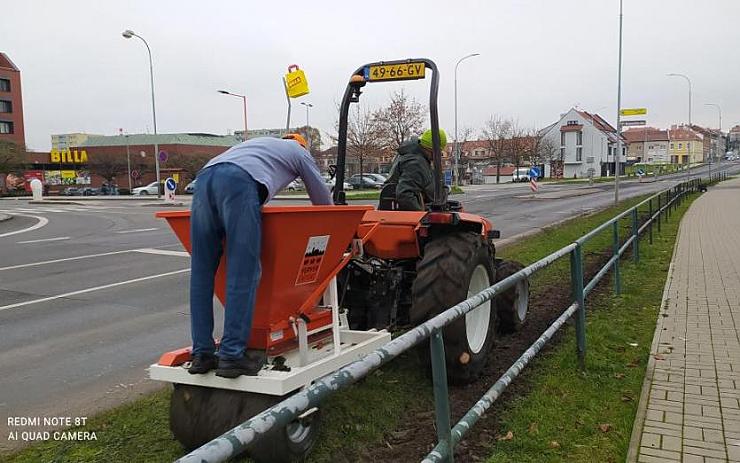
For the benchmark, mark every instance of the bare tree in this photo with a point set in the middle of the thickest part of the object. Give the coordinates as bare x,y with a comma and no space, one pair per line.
11,155
402,118
495,132
465,134
363,136
517,145
549,152
108,165
190,164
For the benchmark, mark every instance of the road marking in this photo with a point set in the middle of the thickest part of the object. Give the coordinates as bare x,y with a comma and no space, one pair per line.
137,230
89,256
42,221
45,239
163,252
89,290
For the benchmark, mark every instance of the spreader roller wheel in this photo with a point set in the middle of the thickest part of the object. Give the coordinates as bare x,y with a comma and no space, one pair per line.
200,414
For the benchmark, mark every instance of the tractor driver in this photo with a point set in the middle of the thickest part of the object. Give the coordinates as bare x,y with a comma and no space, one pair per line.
231,189
412,171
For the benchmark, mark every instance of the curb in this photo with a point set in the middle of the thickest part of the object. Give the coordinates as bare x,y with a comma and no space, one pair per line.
65,201
634,445
5,217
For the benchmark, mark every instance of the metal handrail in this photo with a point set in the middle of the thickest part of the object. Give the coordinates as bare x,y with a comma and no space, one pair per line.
240,438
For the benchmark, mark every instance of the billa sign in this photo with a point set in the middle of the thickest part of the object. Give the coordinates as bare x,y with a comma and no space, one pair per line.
633,112
67,156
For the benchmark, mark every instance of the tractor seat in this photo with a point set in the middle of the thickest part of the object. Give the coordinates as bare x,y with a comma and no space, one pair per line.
387,201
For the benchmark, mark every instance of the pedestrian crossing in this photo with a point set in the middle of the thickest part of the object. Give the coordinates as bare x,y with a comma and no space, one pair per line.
57,209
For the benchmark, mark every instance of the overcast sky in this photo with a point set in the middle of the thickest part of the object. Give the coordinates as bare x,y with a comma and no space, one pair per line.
538,58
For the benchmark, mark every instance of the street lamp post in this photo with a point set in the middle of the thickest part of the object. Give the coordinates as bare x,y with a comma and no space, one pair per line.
688,150
457,146
244,101
618,154
719,137
308,126
128,33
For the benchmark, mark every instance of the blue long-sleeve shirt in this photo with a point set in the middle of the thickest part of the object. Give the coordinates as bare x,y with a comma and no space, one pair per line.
275,163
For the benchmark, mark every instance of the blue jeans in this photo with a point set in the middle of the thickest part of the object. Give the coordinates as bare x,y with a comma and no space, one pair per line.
226,206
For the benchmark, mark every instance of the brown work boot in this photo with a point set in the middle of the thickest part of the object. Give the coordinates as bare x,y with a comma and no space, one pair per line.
203,363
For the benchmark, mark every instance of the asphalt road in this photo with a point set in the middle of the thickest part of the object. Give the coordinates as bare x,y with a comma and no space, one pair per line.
90,295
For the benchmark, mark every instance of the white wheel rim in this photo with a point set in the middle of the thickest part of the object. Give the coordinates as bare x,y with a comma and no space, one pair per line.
478,319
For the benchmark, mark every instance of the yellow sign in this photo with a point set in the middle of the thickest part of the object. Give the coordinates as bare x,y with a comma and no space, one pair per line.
633,112
295,82
68,174
401,71
70,157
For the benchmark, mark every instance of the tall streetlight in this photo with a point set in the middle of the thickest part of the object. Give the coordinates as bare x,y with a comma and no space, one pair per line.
618,154
244,100
688,150
128,33
457,146
308,126
719,110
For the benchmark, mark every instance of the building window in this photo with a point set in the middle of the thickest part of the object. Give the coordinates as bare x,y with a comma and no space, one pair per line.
6,127
6,106
579,154
579,138
562,138
572,123
680,146
4,85
688,145
671,145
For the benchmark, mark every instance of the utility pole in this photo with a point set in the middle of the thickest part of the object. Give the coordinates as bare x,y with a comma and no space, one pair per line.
457,145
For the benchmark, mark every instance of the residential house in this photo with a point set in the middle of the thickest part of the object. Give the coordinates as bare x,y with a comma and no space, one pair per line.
587,146
685,145
734,139
647,145
714,142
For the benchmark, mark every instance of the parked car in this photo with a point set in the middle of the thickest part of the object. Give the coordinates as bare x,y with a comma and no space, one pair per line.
190,188
364,181
379,177
87,191
71,191
330,182
150,189
295,185
520,175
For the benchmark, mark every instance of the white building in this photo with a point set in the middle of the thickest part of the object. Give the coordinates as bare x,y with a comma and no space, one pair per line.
587,144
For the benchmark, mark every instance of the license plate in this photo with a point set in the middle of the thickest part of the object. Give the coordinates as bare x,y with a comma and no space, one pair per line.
404,71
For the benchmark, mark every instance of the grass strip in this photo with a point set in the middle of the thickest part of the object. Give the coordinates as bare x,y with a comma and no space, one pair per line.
359,417
586,417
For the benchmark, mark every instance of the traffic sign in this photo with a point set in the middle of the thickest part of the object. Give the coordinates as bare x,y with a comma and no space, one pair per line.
633,111
534,172
170,185
631,123
135,174
163,156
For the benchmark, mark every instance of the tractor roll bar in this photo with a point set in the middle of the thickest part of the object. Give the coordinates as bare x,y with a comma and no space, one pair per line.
352,95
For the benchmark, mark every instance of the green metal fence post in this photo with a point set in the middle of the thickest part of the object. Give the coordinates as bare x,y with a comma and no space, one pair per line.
660,213
576,284
441,396
635,237
615,247
650,218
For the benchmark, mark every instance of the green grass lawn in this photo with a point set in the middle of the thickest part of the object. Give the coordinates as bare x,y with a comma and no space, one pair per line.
565,406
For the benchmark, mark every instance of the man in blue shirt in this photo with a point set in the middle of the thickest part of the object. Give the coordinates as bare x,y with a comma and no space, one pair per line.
227,204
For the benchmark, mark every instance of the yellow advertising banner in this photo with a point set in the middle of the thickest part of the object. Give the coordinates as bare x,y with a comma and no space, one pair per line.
295,82
69,174
633,111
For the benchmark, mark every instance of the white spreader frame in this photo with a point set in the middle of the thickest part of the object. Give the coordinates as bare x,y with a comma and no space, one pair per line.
307,364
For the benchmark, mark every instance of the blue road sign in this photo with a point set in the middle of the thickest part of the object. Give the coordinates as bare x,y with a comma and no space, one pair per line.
170,184
534,172
163,156
448,177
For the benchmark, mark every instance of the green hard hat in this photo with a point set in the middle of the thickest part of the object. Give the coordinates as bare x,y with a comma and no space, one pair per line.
426,139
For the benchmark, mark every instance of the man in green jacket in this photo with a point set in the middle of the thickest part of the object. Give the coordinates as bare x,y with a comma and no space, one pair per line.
412,171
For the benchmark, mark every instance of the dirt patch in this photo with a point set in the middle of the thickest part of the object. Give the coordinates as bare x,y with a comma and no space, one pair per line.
417,436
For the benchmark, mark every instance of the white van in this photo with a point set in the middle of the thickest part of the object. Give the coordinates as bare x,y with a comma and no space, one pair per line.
520,175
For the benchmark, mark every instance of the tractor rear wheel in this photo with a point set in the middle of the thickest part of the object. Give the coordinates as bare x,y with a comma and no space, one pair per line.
200,414
455,267
512,304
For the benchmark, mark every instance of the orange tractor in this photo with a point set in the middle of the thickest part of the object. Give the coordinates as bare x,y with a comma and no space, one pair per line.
335,281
